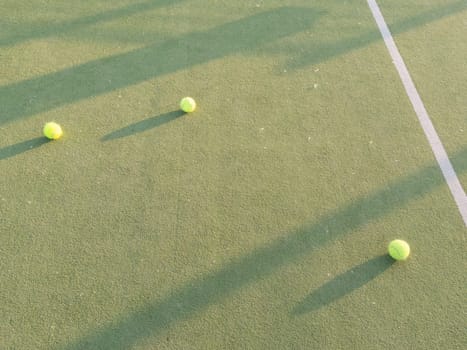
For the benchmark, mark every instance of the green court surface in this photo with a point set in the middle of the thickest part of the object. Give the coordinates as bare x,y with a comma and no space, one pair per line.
261,220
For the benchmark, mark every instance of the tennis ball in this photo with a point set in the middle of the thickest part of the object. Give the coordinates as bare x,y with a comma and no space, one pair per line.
399,249
187,104
52,131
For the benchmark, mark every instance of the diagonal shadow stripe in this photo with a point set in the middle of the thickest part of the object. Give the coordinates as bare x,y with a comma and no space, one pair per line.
44,30
143,125
343,284
312,53
97,77
196,295
18,148
105,75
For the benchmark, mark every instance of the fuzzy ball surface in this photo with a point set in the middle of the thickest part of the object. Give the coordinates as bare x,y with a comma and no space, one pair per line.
52,131
399,249
187,104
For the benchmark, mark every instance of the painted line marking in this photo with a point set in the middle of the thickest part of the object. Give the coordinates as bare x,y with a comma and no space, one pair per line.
437,147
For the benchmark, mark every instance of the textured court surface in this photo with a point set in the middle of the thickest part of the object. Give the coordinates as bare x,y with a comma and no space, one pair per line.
258,222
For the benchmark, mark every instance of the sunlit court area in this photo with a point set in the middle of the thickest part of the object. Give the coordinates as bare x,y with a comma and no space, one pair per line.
249,174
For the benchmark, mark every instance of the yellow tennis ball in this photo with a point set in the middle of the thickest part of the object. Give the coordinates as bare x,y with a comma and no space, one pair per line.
187,104
399,249
52,131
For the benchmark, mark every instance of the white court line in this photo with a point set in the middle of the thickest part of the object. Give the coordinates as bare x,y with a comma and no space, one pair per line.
438,149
